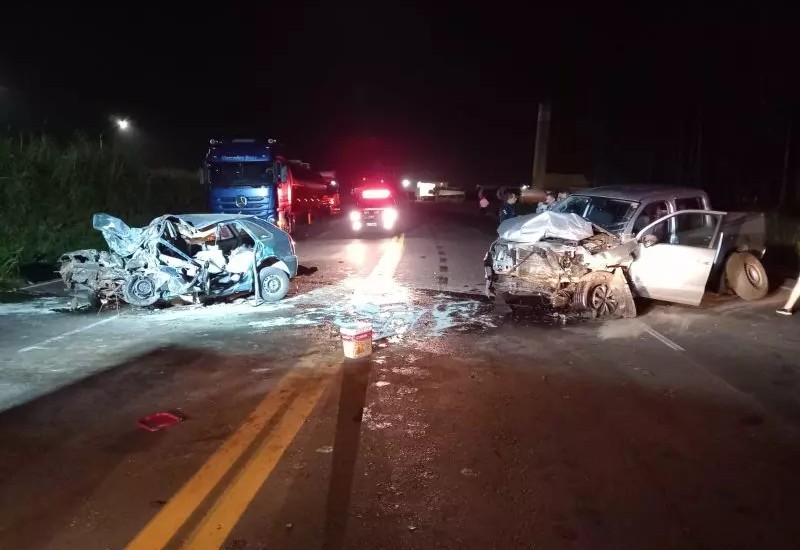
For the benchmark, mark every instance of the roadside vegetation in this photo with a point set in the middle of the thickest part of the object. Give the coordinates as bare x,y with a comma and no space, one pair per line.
49,190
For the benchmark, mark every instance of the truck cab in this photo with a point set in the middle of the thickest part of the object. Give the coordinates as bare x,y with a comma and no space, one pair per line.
243,177
375,209
247,176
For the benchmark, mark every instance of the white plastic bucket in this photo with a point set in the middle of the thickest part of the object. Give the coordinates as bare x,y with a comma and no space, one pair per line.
357,340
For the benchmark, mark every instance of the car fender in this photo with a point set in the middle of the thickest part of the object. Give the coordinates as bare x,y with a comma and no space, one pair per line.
280,264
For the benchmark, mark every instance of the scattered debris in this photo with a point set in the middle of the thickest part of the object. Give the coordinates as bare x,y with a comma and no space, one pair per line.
382,383
160,420
260,370
325,449
468,472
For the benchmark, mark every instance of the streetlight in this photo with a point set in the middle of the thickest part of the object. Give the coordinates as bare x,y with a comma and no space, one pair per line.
406,182
123,124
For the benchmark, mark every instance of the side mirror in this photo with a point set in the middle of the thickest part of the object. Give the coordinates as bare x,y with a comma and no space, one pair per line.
649,240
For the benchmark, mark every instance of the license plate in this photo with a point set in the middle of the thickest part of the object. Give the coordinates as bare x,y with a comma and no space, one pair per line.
372,224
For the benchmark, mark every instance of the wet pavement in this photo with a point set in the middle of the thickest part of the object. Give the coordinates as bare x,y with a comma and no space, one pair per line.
469,426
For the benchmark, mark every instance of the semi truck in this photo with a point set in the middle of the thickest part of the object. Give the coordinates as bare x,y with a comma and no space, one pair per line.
248,176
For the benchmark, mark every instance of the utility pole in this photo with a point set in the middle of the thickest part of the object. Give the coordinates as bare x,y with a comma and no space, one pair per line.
540,148
787,153
698,161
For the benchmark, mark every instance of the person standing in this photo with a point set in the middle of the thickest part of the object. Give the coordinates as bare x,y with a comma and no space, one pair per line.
484,205
549,199
794,295
483,202
508,210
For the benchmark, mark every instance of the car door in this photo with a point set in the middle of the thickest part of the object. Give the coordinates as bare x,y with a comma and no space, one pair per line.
675,268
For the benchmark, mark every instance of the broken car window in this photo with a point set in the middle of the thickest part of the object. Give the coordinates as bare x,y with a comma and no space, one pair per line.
650,213
225,232
690,230
694,229
257,230
611,214
691,203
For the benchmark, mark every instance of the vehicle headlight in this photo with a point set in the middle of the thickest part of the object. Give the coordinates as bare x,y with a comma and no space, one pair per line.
389,215
355,216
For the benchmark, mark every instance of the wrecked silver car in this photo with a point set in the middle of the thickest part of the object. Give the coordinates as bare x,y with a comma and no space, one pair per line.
598,250
189,257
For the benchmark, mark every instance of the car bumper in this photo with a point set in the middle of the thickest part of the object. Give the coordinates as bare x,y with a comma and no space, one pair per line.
292,264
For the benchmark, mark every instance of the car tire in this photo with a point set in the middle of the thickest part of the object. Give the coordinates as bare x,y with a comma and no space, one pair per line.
274,284
595,294
746,276
140,291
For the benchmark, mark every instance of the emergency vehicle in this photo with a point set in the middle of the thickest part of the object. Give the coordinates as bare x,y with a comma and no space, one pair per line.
375,209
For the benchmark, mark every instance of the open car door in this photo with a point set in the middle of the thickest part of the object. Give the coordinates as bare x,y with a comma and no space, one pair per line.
675,256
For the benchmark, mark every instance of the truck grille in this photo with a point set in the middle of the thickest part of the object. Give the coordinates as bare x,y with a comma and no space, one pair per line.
255,205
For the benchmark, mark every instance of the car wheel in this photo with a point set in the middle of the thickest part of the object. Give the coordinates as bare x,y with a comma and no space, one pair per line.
274,284
746,276
596,295
140,291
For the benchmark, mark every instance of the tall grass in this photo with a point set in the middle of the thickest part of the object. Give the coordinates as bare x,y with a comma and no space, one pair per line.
49,191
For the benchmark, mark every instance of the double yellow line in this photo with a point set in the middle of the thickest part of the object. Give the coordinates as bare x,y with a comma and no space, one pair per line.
297,393
387,265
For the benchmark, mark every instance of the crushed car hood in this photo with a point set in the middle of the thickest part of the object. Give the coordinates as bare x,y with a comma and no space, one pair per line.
536,227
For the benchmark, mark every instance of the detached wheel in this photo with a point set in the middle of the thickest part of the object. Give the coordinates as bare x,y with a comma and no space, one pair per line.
140,291
746,276
596,295
274,284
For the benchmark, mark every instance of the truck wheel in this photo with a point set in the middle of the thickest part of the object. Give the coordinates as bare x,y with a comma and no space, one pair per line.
746,276
140,291
595,293
274,284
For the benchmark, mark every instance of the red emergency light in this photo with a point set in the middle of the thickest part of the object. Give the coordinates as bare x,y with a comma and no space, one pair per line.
376,194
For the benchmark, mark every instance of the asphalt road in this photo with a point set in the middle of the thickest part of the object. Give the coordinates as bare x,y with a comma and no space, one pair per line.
466,428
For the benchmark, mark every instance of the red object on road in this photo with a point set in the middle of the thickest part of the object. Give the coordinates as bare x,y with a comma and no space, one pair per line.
159,421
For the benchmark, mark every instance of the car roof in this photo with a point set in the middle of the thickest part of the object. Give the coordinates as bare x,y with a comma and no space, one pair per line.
642,192
201,221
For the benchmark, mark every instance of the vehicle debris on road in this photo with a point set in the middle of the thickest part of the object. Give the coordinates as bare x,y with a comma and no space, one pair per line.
188,257
160,420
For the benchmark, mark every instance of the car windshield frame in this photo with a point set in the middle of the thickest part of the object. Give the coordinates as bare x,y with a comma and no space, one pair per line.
596,210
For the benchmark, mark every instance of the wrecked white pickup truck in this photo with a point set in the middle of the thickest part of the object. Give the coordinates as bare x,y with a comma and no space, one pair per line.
597,250
189,257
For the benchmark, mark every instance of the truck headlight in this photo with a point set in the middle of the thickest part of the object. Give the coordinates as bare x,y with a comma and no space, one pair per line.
389,217
355,216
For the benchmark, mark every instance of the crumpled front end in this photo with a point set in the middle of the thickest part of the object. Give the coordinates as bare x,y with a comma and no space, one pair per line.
541,269
553,268
98,274
170,258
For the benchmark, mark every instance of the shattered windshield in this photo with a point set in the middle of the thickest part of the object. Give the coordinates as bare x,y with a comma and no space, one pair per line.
611,214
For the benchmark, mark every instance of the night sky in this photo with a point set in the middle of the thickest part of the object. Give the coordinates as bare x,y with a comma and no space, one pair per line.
452,93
